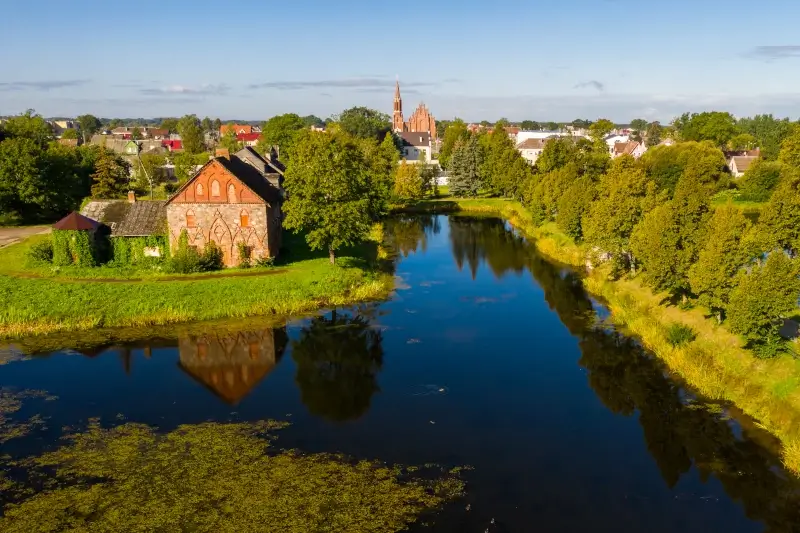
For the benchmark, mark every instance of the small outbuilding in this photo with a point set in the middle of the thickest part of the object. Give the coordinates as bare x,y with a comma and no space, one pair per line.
76,222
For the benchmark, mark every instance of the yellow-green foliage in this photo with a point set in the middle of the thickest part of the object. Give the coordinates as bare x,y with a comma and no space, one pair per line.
407,181
217,478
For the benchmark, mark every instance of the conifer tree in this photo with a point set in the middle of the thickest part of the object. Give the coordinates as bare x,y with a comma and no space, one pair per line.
713,276
465,168
110,176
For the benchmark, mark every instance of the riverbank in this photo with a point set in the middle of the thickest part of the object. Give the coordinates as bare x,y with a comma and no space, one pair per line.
50,301
715,363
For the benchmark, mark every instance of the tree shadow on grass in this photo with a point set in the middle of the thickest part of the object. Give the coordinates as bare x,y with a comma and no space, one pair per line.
363,255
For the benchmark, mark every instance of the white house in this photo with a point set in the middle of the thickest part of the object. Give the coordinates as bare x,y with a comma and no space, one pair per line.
531,149
415,144
740,163
632,148
523,136
612,140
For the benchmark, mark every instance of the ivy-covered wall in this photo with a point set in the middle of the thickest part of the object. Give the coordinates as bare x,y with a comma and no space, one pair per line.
131,250
74,247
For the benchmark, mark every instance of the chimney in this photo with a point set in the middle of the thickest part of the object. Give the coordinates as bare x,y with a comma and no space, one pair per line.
131,197
223,152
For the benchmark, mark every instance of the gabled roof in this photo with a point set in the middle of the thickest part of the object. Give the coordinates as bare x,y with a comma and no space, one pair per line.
126,219
249,155
743,162
76,222
415,138
531,144
250,176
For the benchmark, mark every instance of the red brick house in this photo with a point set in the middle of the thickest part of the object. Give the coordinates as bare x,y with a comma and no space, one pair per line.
232,199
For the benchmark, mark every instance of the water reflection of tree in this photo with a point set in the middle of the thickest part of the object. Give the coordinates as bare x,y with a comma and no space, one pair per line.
474,240
678,434
338,359
407,234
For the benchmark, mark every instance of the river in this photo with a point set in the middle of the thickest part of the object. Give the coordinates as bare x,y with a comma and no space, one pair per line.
486,355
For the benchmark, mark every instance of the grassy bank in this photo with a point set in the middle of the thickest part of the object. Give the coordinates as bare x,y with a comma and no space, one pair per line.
46,300
715,363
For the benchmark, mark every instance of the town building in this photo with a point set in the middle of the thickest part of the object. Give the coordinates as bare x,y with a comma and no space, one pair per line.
632,148
238,129
126,132
230,202
739,164
248,139
60,126
531,149
417,146
420,121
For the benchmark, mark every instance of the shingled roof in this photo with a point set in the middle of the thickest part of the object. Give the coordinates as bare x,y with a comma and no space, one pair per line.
126,219
76,222
251,177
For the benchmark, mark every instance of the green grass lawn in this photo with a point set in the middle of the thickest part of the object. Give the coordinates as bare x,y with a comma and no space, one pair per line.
43,299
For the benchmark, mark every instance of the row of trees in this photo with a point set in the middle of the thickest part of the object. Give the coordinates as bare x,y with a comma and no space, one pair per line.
655,216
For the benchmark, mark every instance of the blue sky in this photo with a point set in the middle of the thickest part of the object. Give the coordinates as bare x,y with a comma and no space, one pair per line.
534,59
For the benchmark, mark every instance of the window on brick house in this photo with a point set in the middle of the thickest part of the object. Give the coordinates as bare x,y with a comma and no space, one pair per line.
244,219
231,193
215,188
199,189
190,220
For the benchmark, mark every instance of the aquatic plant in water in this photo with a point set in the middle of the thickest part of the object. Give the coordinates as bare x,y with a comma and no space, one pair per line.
217,478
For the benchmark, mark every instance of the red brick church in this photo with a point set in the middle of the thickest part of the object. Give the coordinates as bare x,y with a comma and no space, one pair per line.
420,121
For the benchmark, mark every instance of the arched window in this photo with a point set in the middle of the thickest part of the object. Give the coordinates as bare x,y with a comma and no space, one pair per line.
190,221
231,193
244,219
215,188
199,189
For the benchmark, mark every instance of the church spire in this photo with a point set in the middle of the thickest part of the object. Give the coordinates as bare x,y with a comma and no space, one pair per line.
397,114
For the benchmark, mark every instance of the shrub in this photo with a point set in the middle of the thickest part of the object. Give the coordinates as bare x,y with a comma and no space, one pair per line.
82,249
245,254
760,180
61,253
679,334
41,252
211,258
265,262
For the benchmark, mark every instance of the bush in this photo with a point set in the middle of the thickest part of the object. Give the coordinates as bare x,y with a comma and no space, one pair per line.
265,262
760,180
244,254
41,252
679,334
211,258
184,262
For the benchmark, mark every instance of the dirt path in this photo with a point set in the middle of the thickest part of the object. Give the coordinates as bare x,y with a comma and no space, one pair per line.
10,235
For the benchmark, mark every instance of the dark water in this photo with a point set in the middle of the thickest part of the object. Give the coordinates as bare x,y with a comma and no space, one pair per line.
488,356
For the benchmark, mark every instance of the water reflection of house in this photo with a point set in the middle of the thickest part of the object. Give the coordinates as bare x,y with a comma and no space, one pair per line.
232,365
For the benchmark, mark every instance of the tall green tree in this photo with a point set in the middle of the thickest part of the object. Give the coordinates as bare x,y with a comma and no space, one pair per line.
769,133
230,142
111,175
790,149
652,136
365,123
666,164
465,167
207,125
599,129
715,126
504,169
407,181
668,239
530,125
456,131
29,125
742,141
191,133
217,124
760,180
573,206
624,196
328,185
136,134
713,276
762,298
170,124
557,153
148,172
280,131
88,126
382,160
779,221
70,134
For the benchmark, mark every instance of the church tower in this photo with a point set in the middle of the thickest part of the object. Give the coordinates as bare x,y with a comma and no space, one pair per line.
397,115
